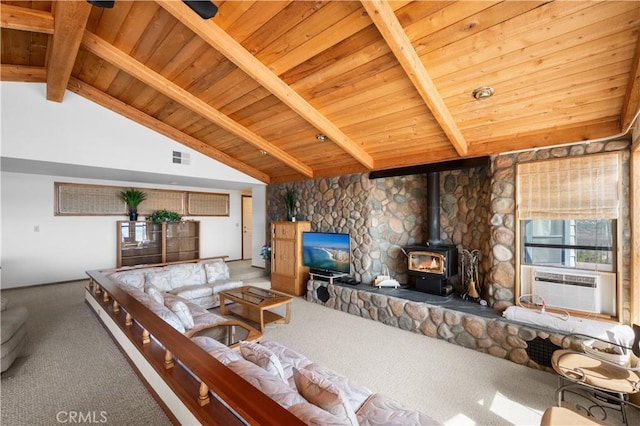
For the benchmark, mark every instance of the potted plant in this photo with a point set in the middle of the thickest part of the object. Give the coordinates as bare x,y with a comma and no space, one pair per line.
290,199
165,216
133,197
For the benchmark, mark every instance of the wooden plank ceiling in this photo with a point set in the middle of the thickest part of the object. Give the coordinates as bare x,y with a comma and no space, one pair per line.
389,83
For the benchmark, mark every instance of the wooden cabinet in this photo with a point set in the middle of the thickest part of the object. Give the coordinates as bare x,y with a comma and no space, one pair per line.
144,242
287,273
182,241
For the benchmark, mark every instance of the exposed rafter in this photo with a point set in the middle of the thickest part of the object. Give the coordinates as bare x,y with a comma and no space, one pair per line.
21,18
632,98
106,51
387,23
70,19
225,44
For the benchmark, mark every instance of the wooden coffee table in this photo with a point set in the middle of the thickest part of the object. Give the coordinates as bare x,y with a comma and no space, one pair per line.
256,304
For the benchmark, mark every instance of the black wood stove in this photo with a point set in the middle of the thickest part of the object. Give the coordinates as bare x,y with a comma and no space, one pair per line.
431,265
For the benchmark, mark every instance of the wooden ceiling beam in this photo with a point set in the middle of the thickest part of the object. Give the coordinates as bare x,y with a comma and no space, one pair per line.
236,53
25,19
119,107
387,23
118,58
631,103
23,73
69,21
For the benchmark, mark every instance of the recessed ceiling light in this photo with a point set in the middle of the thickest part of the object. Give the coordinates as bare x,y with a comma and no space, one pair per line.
263,152
483,92
321,137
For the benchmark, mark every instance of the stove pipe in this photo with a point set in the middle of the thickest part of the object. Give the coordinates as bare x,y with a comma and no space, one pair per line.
433,207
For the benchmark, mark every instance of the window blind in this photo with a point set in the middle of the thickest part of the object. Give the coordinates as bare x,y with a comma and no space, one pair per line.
584,187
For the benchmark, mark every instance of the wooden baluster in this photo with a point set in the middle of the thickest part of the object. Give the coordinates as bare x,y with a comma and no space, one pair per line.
98,289
116,306
105,297
145,337
203,398
168,359
128,320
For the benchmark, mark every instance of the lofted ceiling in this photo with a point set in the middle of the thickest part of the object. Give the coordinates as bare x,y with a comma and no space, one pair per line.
388,83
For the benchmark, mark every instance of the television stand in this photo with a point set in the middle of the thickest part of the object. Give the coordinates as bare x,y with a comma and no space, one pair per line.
326,276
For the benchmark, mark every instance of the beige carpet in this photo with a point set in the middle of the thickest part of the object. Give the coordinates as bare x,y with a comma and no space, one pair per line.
74,368
452,384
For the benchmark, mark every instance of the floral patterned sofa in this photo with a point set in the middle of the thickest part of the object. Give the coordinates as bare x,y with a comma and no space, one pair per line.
314,394
198,282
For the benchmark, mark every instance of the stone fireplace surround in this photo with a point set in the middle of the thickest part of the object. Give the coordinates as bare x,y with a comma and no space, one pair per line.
477,211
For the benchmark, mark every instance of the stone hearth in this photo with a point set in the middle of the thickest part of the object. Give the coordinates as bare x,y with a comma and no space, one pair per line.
448,318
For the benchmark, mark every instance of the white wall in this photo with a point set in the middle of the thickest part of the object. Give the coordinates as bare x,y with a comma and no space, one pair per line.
80,132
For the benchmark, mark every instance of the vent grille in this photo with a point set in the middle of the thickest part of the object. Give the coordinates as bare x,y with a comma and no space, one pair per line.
181,157
568,291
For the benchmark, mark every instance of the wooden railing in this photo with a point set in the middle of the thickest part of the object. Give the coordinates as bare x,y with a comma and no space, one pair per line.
199,380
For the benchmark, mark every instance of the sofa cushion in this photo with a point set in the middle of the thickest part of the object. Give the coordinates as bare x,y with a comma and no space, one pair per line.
216,270
181,309
192,291
161,310
186,274
153,291
382,410
12,320
288,358
129,278
262,357
321,392
315,416
354,393
218,286
217,349
269,384
160,279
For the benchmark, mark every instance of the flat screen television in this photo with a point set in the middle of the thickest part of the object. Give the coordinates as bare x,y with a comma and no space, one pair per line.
326,253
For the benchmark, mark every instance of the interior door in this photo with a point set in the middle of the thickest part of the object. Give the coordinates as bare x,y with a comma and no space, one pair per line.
247,215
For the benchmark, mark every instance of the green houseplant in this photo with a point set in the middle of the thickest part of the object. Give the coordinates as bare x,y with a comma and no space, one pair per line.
290,199
133,197
165,216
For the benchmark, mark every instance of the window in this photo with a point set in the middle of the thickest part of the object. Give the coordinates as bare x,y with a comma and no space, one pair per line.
582,244
568,210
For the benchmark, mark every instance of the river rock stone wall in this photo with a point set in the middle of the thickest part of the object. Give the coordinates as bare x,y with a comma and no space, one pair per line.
477,212
383,215
493,336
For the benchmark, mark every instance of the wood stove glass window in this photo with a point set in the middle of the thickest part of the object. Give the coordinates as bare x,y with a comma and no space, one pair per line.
423,261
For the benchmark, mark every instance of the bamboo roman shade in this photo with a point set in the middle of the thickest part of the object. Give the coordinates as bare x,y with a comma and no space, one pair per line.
583,187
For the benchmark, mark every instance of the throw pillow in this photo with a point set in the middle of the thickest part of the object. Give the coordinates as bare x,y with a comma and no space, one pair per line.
181,309
324,394
216,270
262,357
153,291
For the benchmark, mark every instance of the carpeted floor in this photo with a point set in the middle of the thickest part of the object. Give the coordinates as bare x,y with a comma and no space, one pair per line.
75,369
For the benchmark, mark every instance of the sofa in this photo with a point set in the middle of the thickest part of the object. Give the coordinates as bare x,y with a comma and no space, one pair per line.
13,324
198,282
313,393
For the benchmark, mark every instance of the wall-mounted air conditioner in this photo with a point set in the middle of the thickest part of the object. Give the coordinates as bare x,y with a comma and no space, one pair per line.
568,290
